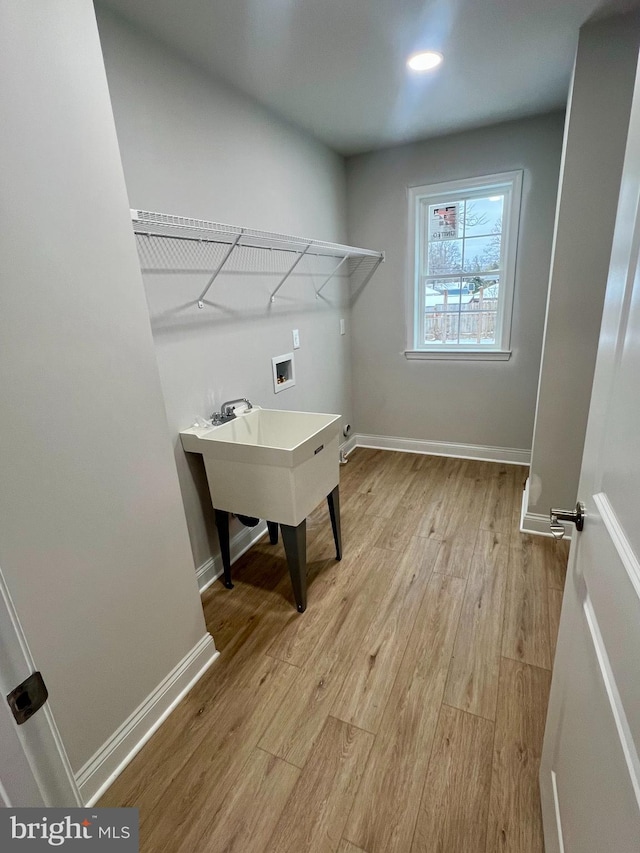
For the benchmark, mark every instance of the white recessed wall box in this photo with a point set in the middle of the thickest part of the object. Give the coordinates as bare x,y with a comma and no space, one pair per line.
284,375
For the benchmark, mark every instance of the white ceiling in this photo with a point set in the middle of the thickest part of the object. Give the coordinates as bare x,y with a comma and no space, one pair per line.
337,67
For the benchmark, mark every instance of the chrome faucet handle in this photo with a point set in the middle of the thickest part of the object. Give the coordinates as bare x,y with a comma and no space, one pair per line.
226,410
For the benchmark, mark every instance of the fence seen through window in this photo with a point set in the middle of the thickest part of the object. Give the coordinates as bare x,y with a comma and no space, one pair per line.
462,269
463,255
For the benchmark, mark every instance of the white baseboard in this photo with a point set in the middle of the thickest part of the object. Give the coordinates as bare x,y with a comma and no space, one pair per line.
507,455
537,524
211,569
349,445
534,522
111,759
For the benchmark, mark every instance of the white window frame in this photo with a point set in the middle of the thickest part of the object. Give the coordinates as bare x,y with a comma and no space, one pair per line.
509,183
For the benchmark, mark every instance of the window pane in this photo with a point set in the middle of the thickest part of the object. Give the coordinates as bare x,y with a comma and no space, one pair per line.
487,285
445,220
433,292
479,315
444,256
484,215
482,254
477,328
442,305
449,290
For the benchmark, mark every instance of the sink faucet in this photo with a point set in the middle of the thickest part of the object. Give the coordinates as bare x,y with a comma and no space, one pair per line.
226,412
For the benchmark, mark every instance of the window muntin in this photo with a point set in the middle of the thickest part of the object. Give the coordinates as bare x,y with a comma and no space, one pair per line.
464,262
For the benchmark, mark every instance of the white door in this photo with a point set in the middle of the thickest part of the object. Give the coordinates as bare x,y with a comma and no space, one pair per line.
34,768
590,774
18,785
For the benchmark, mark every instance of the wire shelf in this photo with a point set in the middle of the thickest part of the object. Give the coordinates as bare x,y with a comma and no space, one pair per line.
210,247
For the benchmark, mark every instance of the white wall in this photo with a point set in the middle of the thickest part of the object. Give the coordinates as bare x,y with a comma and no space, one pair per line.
480,403
597,124
192,146
93,541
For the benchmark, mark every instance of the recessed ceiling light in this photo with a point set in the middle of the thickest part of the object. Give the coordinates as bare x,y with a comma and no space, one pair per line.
424,61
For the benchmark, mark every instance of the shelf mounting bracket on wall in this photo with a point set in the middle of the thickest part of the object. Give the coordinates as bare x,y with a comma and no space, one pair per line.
290,270
226,257
329,277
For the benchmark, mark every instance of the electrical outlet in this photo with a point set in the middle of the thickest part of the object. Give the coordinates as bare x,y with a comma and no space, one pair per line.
342,327
296,339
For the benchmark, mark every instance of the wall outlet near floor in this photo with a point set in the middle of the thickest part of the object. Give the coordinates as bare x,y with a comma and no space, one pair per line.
296,339
342,326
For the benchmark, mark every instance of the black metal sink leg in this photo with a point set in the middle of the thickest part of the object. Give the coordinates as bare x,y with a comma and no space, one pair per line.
295,546
333,499
222,525
273,532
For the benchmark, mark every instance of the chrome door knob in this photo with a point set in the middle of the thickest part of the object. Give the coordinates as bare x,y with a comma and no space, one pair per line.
574,516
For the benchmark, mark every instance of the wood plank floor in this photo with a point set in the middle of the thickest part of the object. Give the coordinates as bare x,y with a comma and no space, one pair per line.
403,712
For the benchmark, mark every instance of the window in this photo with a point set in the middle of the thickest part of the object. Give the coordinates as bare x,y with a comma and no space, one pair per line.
462,262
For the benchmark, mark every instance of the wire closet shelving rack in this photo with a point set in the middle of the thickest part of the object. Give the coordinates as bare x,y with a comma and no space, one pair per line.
232,238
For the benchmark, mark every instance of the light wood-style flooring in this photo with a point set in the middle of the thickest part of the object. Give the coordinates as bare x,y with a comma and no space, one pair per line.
403,712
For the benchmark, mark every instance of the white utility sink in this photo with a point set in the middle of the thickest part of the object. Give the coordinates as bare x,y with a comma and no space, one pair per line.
270,464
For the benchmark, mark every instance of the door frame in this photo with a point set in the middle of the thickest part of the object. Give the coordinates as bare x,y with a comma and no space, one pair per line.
33,762
576,606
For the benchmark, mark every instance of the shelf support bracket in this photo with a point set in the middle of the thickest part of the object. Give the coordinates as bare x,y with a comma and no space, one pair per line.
379,261
290,270
328,279
226,257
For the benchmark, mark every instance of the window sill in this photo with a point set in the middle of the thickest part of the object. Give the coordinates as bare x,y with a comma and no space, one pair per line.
457,355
